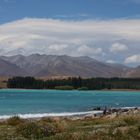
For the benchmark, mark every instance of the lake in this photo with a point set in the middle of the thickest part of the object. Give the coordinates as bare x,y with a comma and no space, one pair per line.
37,102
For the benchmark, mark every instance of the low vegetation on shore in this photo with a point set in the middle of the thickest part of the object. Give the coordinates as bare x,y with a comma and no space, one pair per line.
3,82
118,128
64,87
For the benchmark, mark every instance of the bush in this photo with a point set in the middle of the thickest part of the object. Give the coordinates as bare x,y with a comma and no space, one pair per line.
28,130
33,130
58,126
130,120
47,120
13,121
64,87
134,133
49,130
139,128
83,88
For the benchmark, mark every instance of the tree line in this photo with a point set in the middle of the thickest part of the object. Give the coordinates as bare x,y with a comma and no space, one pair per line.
75,82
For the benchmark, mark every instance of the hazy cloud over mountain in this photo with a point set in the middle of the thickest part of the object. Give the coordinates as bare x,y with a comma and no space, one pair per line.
118,47
108,40
133,59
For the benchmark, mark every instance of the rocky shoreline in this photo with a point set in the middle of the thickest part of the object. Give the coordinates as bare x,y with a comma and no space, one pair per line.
95,113
107,113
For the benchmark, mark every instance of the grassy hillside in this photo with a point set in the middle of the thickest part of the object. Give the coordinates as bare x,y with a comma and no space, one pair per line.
3,81
119,128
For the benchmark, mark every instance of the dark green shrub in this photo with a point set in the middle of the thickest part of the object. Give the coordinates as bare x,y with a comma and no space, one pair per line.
118,135
130,120
139,128
83,88
30,130
46,120
64,87
134,133
57,125
60,126
49,130
33,130
13,121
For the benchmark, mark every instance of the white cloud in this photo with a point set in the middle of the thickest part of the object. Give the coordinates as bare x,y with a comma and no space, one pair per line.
118,47
133,59
87,37
58,47
111,61
89,51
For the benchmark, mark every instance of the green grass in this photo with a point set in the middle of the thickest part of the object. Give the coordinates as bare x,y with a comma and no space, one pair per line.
83,88
120,128
3,84
64,87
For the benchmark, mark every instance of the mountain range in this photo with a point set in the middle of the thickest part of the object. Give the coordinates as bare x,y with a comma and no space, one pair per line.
52,65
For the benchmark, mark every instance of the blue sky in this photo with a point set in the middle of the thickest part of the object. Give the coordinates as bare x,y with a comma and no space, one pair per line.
68,9
107,30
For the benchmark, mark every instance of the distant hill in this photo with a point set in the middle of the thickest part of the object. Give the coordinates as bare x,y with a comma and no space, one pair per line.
10,69
53,65
135,72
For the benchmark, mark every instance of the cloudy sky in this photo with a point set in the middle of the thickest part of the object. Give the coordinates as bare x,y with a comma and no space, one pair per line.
107,30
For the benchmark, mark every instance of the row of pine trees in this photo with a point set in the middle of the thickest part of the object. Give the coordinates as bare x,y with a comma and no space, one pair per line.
75,83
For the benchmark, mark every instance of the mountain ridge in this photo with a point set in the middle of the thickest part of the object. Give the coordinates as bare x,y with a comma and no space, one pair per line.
62,65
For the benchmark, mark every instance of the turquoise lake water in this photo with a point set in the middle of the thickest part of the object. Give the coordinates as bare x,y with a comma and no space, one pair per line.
54,101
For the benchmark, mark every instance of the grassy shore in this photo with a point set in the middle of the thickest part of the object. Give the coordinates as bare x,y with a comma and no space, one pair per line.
122,127
3,82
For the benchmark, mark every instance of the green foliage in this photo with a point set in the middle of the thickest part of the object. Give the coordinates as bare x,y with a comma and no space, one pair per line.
131,120
138,128
30,130
76,83
39,130
13,121
64,87
25,82
83,88
68,129
33,130
134,133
